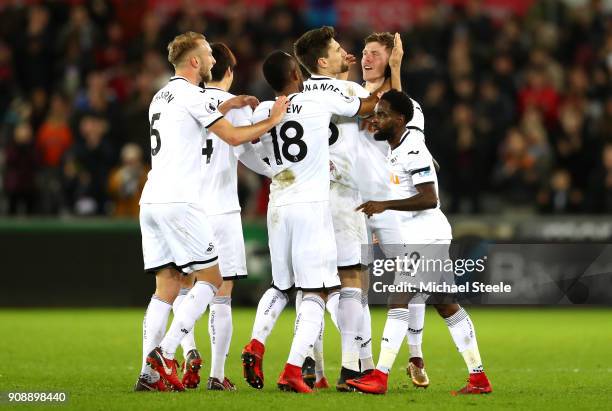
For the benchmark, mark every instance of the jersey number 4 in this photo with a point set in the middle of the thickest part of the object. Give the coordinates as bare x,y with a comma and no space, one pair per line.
208,150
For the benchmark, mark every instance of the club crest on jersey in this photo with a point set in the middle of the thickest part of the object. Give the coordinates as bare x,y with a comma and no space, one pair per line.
210,249
210,107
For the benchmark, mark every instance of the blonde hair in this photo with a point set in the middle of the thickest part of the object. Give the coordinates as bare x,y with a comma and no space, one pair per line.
182,44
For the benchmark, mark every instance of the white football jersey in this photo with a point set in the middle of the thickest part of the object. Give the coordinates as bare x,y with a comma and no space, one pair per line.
411,164
343,131
219,192
372,172
179,115
298,147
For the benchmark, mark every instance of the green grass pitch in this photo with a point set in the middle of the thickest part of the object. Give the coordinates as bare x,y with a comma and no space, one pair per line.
535,358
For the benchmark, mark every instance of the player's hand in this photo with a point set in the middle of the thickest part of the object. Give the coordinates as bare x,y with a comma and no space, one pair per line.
372,207
350,59
238,102
395,60
279,109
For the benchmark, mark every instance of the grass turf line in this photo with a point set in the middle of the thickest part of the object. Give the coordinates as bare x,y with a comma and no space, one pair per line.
535,358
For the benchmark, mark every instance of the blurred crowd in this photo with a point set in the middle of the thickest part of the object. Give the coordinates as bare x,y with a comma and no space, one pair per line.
518,109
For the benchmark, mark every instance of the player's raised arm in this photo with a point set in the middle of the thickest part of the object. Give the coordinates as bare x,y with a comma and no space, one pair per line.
237,135
395,62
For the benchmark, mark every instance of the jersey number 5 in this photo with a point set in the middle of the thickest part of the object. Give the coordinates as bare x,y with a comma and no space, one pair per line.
288,141
155,133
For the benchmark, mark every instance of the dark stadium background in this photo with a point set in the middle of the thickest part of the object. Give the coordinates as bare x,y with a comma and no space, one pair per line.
516,94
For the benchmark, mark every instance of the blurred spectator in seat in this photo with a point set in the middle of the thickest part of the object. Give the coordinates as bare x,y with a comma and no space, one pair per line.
516,176
574,151
87,167
53,139
136,114
20,176
599,195
539,93
467,178
151,38
126,182
559,197
603,127
34,50
7,77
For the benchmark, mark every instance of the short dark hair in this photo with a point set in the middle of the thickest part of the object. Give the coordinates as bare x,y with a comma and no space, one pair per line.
312,46
384,38
277,68
399,102
224,59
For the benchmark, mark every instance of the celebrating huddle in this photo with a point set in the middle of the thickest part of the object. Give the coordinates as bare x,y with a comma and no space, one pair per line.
336,153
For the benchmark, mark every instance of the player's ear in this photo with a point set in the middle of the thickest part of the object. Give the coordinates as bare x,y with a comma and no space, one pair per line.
322,62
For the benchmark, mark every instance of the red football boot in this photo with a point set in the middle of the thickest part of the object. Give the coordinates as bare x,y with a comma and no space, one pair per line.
291,380
166,369
144,385
374,382
191,369
322,384
478,383
252,364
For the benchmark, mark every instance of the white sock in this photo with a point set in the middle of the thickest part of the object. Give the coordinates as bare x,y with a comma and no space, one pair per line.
270,306
220,330
350,321
307,328
188,342
392,338
318,353
416,321
365,333
298,302
153,328
188,313
333,300
464,335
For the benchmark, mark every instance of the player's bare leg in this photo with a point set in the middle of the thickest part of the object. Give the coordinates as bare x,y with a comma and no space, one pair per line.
167,286
220,330
307,328
208,280
269,308
464,335
416,365
350,321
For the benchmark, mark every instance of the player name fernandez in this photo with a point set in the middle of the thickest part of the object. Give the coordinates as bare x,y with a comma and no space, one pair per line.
434,287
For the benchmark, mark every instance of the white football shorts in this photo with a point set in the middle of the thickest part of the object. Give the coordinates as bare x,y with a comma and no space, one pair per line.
349,225
302,247
227,229
176,235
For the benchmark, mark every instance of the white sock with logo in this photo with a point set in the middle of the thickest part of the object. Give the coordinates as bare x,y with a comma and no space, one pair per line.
464,335
416,321
393,336
153,328
220,330
190,310
350,321
365,335
188,342
318,353
269,308
307,328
